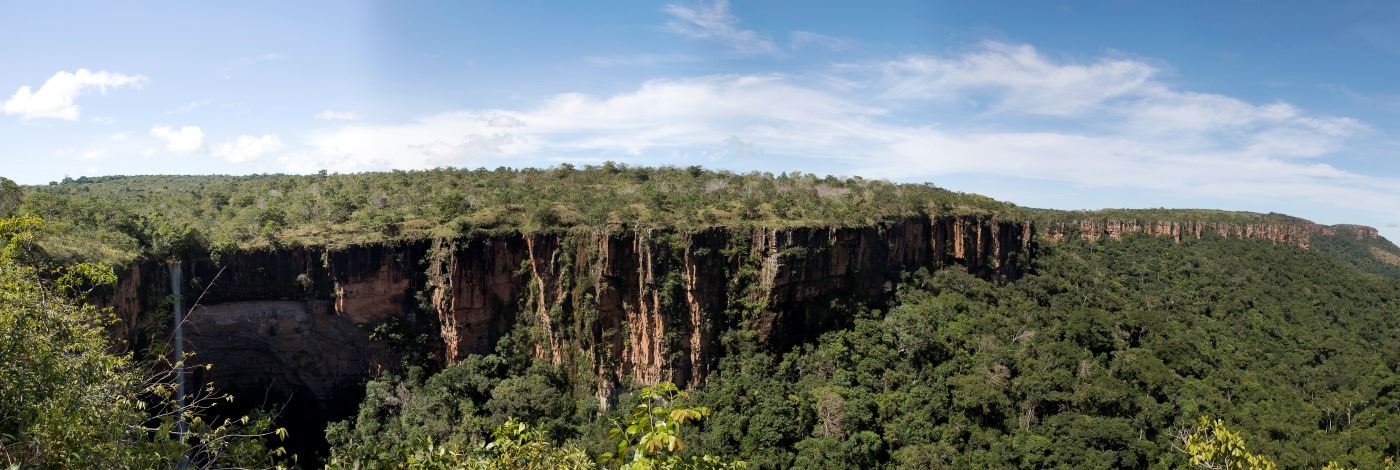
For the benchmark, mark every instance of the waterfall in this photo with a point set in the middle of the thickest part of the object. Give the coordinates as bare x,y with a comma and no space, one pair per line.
177,324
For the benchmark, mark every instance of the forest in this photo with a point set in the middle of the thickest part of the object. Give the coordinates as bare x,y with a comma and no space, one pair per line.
1102,359
1135,352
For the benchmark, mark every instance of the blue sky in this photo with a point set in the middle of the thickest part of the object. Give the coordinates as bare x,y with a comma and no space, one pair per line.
1247,105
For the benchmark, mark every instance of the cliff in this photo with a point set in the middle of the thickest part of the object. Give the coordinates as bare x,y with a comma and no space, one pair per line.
309,325
1299,235
626,307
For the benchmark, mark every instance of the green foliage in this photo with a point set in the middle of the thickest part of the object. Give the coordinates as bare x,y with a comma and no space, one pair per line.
1372,255
111,219
650,436
1099,359
440,423
10,196
456,408
1163,214
66,402
514,445
1094,361
1213,446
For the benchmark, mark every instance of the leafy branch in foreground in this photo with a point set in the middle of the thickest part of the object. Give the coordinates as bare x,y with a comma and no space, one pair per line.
650,438
1213,446
66,401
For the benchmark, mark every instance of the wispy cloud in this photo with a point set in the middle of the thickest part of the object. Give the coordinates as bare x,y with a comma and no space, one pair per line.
808,39
1113,124
93,154
1015,77
640,59
332,115
185,139
712,21
191,106
55,99
247,148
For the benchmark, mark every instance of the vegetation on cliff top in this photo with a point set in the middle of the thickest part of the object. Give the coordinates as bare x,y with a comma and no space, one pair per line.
118,218
1172,215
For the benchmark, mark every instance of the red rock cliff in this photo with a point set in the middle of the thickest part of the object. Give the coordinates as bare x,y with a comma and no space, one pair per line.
1298,235
628,307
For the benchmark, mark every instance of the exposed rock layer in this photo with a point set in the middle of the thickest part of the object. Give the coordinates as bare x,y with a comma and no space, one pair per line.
628,307
1298,234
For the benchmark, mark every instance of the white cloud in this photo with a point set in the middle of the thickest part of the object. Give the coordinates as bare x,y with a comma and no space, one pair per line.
640,59
1014,78
55,98
330,115
713,22
94,154
1114,125
185,139
505,121
663,114
805,39
191,106
247,148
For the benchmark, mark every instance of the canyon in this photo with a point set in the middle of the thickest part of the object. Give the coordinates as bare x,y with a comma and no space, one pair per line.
309,325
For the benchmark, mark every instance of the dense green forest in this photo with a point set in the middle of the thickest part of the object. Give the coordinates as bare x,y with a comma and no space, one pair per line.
1107,354
1105,358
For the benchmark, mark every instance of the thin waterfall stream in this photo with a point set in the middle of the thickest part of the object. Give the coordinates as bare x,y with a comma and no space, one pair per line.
177,324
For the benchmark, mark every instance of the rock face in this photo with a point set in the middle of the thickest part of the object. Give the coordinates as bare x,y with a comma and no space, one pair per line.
284,350
621,308
629,307
1367,233
626,307
475,287
296,354
1299,235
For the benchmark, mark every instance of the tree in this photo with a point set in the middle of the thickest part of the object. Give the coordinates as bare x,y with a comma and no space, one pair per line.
650,437
1213,446
10,196
66,402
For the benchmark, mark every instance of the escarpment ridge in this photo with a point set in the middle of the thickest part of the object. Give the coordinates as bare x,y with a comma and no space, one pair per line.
624,306
309,285
630,305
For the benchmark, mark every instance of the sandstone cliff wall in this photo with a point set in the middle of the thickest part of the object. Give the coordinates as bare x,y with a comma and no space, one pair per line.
624,308
1299,234
629,307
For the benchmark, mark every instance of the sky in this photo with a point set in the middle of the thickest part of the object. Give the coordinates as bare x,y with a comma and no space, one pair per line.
1262,106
